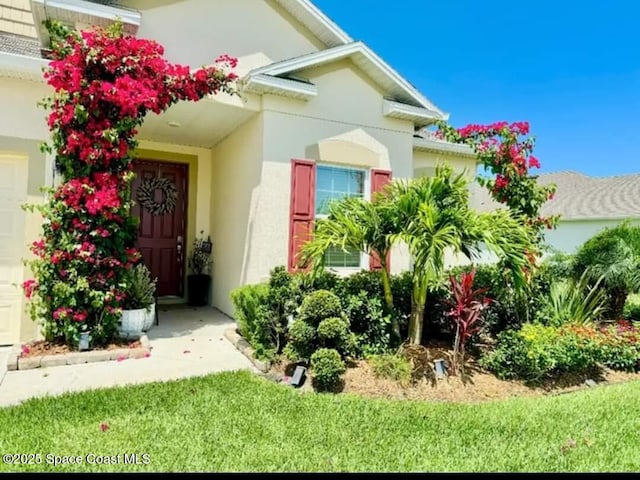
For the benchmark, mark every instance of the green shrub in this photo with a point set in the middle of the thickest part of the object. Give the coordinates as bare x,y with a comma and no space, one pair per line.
323,280
401,288
391,366
319,305
363,281
611,258
631,311
327,368
571,302
536,351
333,332
510,308
320,324
303,340
371,326
283,299
246,301
620,346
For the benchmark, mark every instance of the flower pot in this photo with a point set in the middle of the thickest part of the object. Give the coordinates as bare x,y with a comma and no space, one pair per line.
198,289
132,323
149,318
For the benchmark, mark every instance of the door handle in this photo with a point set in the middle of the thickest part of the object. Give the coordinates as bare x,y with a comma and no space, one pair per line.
179,248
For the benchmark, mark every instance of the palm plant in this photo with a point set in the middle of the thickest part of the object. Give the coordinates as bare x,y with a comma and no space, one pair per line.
573,302
433,218
356,224
609,259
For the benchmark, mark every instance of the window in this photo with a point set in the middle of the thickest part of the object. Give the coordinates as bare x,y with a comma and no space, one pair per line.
334,183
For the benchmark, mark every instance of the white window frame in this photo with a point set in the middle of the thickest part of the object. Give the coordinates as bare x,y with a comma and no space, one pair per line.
364,258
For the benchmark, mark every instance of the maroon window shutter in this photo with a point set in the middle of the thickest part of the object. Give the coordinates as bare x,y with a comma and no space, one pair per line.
302,208
379,178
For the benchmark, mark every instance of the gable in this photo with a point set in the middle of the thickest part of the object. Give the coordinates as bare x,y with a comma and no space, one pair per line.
344,94
403,100
194,32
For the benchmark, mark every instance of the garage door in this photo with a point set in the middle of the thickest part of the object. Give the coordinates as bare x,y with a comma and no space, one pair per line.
13,193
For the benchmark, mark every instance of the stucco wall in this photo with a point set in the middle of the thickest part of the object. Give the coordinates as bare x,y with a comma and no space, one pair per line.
236,197
570,235
426,162
346,101
195,32
16,18
21,117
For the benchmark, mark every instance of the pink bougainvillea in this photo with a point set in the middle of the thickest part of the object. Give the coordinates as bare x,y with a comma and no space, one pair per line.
104,84
508,157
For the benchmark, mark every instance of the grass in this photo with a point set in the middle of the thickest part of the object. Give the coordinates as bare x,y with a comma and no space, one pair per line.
239,422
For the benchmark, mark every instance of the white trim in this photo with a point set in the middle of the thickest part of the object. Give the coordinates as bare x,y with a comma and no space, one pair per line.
423,144
420,116
345,51
314,19
81,11
22,66
261,84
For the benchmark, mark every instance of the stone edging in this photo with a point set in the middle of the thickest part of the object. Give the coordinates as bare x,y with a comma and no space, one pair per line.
247,350
16,362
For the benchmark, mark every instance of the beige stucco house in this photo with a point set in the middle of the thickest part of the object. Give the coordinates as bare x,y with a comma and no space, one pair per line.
320,116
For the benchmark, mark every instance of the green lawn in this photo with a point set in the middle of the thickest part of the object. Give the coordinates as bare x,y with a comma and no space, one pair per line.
239,422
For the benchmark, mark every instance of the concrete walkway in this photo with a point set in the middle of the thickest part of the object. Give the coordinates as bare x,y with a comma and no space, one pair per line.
188,342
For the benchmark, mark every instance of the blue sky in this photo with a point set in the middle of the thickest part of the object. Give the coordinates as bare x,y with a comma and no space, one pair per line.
571,68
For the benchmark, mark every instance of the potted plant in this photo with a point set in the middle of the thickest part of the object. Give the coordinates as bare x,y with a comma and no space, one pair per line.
199,281
138,307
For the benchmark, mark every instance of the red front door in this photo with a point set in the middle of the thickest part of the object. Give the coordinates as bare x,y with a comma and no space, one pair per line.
160,195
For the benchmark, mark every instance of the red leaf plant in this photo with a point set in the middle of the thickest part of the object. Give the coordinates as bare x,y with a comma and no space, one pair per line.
466,308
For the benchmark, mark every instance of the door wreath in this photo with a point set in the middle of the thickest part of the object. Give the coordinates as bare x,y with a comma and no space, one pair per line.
146,195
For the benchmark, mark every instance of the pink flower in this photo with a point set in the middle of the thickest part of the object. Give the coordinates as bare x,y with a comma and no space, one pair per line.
534,162
29,287
121,358
104,427
147,354
26,350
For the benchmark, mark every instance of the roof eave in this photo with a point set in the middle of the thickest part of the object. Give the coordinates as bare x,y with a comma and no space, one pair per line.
421,117
22,67
438,146
265,84
316,21
81,11
335,54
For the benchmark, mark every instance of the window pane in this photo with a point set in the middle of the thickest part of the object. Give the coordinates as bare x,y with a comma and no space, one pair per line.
334,183
337,258
322,201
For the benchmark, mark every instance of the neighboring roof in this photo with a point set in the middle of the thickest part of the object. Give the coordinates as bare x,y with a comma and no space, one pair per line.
19,45
401,90
580,197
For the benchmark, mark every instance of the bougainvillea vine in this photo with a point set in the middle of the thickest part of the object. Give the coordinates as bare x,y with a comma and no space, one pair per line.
502,151
104,83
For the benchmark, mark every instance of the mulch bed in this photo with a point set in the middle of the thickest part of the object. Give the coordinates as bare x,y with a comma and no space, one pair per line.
43,347
475,386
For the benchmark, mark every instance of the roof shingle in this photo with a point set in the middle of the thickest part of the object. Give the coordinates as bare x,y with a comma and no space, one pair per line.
579,196
20,45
